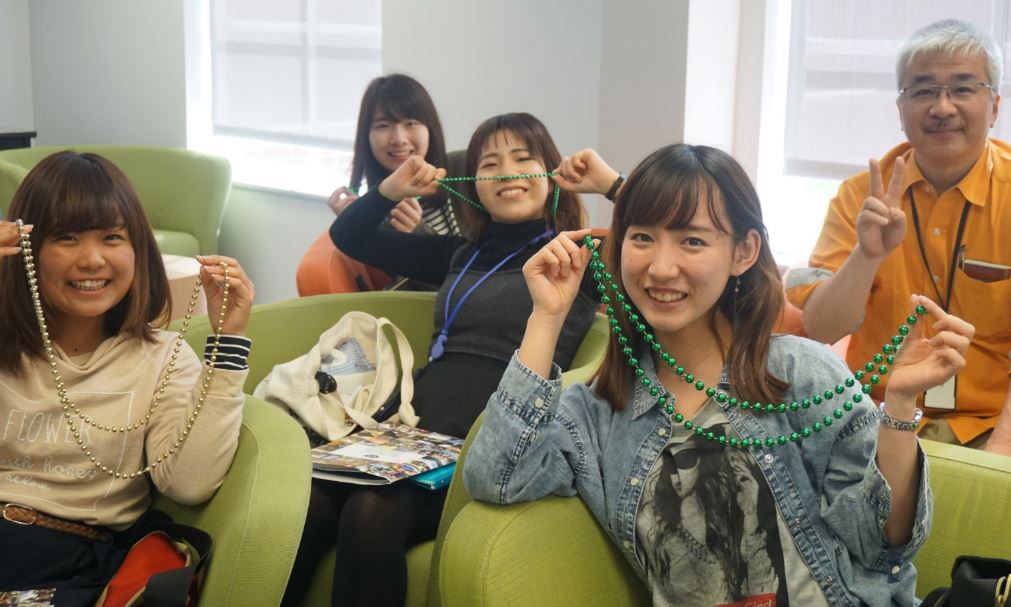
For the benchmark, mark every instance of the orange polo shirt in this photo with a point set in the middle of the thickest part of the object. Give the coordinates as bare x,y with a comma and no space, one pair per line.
983,384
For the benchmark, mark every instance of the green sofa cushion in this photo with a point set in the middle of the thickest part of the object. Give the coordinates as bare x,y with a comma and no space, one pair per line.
972,511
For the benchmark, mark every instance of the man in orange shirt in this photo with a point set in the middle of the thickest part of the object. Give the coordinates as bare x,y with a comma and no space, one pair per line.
941,228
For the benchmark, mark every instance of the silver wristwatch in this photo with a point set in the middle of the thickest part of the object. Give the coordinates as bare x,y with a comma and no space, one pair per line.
898,424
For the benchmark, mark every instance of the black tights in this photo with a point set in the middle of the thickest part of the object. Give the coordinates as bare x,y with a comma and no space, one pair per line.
372,528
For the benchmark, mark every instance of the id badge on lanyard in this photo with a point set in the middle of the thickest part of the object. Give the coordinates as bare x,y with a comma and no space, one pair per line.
943,396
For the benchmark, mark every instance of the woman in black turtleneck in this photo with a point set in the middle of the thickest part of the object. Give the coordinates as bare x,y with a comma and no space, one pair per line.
475,337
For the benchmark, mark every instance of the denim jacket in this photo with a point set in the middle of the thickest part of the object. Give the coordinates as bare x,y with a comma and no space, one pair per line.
537,440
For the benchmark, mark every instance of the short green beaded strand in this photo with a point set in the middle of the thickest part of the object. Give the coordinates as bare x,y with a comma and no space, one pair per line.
877,367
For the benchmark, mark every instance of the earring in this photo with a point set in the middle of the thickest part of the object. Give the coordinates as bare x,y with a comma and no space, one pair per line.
737,291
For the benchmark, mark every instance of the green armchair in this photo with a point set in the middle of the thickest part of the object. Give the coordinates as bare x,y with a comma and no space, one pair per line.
285,330
553,551
182,192
255,534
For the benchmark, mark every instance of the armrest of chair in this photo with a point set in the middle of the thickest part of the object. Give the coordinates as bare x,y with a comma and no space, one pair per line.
972,490
284,330
11,176
590,353
257,514
548,552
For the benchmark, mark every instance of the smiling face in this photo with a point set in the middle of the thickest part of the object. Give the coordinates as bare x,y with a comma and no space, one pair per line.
948,135
394,141
676,276
513,200
83,275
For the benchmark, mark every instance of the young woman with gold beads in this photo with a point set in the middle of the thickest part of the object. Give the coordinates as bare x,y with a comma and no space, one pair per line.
98,406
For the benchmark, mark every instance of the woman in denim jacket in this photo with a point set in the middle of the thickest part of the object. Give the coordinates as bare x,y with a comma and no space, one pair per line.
812,495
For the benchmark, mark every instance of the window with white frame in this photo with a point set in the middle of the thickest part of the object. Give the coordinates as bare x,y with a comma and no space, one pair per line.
834,92
282,83
842,88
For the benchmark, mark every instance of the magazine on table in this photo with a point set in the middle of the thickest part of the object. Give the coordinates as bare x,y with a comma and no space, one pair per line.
384,454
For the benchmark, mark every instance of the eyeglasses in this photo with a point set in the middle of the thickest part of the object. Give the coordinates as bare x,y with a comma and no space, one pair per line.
924,94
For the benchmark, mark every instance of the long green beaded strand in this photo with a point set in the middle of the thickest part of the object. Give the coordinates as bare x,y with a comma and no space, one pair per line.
477,205
877,367
480,207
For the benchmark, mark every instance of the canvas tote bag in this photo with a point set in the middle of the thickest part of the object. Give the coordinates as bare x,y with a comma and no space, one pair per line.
366,366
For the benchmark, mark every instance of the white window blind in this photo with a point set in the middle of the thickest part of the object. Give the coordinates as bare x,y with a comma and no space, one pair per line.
292,71
842,90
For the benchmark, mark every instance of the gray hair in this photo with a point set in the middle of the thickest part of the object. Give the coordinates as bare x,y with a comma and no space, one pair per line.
951,37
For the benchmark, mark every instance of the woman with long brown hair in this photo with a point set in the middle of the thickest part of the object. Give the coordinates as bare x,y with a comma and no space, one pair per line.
480,310
730,465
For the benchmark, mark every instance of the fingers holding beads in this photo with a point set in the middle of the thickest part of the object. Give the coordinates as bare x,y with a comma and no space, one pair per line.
564,256
340,199
229,292
412,179
924,363
950,331
553,274
10,238
585,171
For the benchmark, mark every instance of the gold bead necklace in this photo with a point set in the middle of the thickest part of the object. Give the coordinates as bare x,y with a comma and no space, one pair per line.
71,410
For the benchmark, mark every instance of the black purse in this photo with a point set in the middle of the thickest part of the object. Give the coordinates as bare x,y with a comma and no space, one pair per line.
975,582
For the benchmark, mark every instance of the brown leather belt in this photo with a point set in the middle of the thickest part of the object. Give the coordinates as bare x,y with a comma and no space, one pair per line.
24,515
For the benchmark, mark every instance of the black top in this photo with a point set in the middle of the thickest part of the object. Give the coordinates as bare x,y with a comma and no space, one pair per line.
451,391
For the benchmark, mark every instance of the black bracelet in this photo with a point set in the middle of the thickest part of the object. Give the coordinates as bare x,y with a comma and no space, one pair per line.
613,191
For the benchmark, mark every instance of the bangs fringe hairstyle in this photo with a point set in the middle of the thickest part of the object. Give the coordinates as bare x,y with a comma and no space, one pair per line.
397,97
533,133
65,193
667,189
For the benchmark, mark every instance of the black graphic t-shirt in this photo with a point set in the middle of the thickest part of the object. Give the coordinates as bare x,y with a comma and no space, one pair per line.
710,531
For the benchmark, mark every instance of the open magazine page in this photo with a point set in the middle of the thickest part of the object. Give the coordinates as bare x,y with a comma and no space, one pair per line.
28,598
384,454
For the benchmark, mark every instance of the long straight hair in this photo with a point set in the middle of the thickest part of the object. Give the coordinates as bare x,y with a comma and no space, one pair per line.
570,214
667,189
397,97
65,193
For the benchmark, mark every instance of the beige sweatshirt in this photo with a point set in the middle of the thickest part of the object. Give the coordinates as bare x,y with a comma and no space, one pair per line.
42,466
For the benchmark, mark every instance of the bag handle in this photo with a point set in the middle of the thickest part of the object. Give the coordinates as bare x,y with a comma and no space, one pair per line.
172,588
405,356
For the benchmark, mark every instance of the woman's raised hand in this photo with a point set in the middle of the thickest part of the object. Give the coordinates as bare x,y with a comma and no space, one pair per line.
585,171
406,216
412,179
240,293
553,274
10,240
924,363
340,199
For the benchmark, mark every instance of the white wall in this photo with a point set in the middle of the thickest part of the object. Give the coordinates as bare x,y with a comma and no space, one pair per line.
108,71
642,87
479,59
15,68
711,75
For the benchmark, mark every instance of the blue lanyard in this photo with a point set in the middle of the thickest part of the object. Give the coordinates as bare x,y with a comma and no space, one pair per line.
438,348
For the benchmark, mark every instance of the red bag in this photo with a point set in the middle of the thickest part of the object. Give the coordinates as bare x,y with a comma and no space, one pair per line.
163,569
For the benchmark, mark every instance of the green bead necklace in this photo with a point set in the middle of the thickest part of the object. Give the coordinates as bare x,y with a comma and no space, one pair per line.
480,207
477,205
876,368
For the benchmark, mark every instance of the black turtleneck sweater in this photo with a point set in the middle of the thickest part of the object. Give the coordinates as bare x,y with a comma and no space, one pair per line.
451,391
